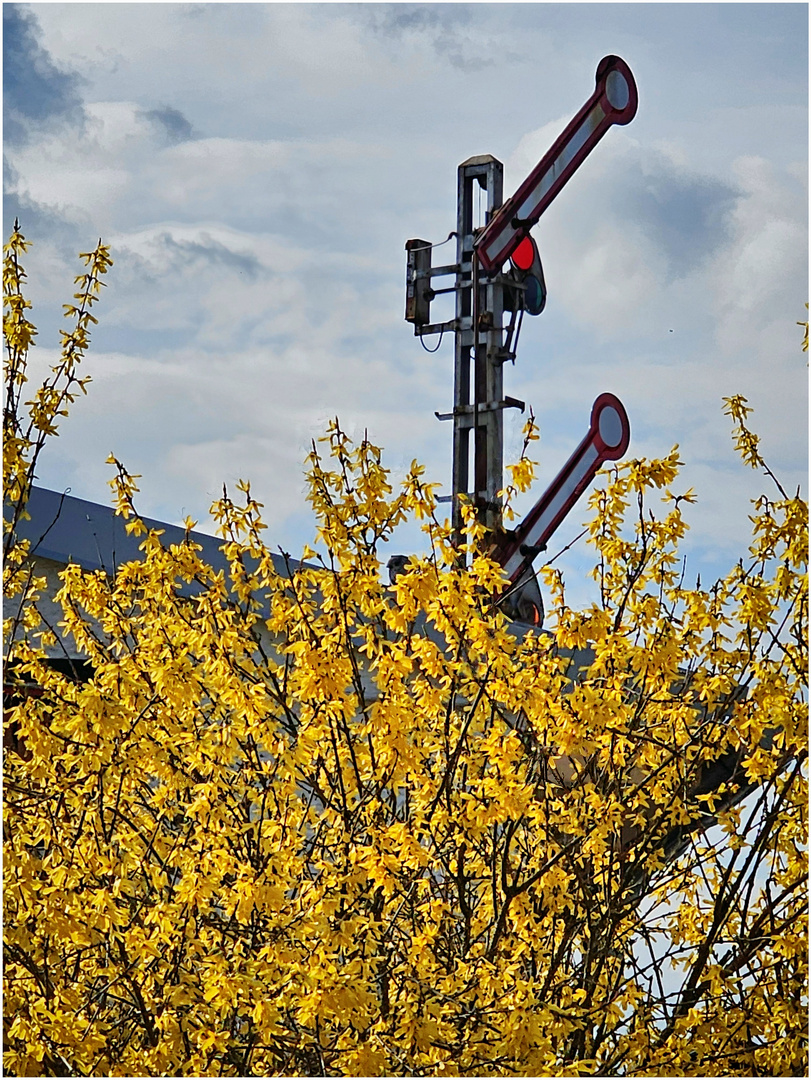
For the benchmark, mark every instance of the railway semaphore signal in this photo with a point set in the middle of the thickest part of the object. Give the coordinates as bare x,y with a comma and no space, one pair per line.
486,294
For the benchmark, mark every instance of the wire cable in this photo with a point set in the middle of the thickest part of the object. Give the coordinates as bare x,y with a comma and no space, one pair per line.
441,335
514,344
440,243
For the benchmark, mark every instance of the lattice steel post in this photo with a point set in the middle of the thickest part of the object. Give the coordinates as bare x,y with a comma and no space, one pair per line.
478,357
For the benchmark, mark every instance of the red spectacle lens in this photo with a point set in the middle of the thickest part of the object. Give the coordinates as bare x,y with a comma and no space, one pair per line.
524,255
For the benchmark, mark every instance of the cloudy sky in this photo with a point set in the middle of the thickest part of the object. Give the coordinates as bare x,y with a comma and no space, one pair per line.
257,169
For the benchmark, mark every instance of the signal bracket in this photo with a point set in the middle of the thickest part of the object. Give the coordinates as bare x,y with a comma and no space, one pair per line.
485,406
434,328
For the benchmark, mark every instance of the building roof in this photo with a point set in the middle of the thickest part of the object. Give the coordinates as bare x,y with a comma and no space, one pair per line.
65,529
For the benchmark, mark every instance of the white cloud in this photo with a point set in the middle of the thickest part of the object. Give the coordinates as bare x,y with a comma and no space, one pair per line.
258,283
766,262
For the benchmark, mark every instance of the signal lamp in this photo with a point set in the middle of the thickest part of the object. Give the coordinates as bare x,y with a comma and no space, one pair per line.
527,271
524,255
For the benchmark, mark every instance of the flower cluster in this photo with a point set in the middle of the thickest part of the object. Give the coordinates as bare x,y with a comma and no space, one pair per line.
299,821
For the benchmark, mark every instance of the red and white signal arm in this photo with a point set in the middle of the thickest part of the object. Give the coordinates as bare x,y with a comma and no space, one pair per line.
606,440
614,101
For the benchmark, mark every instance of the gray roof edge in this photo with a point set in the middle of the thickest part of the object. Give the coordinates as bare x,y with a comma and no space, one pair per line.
66,529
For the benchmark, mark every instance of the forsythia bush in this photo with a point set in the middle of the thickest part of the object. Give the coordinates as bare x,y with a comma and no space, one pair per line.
302,823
